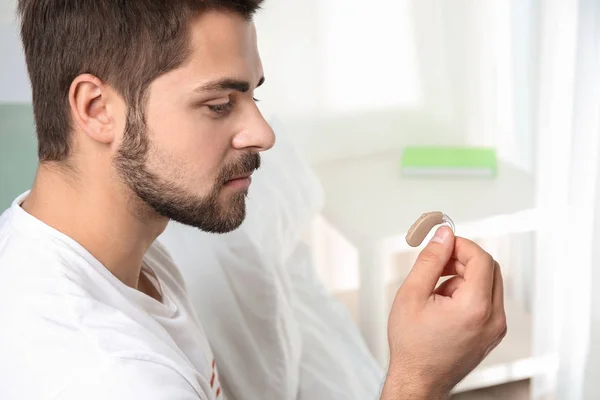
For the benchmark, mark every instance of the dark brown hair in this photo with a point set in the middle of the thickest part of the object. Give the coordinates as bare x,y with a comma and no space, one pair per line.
125,43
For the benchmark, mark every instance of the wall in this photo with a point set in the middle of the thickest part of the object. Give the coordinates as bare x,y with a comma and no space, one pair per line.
18,157
17,141
14,83
352,79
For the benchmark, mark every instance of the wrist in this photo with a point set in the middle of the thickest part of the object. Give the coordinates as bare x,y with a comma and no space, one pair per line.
400,386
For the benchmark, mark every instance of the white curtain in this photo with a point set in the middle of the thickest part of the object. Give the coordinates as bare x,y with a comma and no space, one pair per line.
580,339
567,166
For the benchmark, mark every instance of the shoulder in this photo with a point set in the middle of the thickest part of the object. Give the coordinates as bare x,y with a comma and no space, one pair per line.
26,259
133,378
30,249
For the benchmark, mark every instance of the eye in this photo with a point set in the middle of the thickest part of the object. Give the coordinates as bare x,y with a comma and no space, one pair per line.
221,109
255,99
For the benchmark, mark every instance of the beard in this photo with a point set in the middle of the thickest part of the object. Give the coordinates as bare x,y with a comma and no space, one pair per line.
208,212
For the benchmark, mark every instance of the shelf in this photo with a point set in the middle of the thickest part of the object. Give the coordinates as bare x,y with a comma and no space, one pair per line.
369,201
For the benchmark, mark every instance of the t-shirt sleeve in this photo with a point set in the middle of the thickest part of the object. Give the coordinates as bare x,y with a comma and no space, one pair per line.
126,379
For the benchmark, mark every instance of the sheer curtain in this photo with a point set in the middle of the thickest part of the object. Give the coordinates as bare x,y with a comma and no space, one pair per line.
567,152
579,342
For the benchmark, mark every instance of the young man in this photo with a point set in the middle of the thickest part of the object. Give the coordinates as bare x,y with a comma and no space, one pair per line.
145,113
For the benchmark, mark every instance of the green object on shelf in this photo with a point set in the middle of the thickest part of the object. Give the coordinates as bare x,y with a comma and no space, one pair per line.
449,161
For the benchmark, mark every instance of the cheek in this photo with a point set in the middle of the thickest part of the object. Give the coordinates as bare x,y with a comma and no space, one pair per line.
186,148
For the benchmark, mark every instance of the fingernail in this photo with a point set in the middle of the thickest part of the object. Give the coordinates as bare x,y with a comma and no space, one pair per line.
441,235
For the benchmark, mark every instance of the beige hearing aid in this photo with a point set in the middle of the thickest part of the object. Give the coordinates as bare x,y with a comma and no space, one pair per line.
419,230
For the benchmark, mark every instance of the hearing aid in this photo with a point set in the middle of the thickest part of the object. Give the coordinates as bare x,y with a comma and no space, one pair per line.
422,226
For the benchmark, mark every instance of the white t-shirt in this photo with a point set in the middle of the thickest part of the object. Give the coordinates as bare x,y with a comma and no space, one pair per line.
70,330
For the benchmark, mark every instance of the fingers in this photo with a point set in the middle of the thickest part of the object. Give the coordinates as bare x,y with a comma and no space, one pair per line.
454,267
479,268
498,291
450,286
499,324
423,278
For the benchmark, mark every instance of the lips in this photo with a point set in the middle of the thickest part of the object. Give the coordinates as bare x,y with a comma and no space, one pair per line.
240,172
243,176
239,178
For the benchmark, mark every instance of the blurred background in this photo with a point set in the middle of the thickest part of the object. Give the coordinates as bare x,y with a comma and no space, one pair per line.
358,82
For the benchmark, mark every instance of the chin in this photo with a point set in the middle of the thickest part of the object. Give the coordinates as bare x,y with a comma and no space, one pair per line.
213,218
223,224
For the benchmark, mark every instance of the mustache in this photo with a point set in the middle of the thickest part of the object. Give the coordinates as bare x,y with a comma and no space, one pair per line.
248,163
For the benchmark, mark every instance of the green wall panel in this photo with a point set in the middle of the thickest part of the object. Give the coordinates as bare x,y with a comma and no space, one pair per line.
18,151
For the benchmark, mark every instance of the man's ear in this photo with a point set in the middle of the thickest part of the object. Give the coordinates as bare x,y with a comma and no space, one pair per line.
88,101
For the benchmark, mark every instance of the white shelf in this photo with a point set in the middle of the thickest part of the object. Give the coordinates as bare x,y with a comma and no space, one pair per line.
369,200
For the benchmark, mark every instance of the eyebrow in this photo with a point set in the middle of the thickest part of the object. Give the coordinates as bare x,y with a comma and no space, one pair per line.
227,84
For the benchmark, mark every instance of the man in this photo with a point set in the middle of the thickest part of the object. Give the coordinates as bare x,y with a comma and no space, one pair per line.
145,113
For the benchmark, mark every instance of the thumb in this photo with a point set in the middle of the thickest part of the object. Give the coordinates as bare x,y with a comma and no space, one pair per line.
428,269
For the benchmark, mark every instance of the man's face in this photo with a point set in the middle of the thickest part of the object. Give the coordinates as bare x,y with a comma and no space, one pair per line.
192,160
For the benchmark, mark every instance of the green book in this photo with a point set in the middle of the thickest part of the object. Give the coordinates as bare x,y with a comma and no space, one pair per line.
449,161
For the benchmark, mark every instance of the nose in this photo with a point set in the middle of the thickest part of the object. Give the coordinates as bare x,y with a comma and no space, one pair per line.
257,134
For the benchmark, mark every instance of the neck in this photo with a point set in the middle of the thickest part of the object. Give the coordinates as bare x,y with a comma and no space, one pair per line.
109,222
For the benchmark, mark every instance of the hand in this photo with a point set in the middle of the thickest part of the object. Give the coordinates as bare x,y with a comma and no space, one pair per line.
438,335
